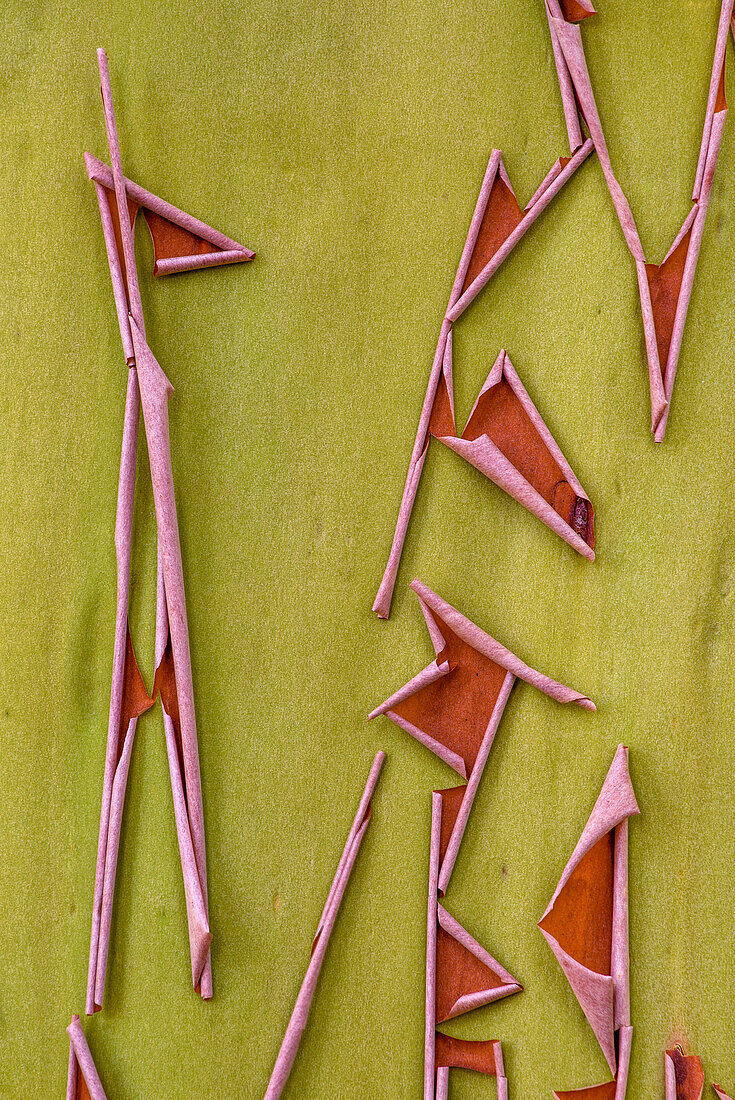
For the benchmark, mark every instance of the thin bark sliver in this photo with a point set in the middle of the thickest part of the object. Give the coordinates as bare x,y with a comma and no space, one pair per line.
300,1014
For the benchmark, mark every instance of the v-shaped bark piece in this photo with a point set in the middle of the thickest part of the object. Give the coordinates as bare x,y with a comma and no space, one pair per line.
454,706
180,242
503,222
83,1082
684,1075
586,922
506,439
721,1094
496,227
664,289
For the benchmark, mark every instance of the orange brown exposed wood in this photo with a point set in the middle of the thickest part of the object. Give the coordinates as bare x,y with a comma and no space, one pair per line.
458,972
456,709
594,1092
135,698
165,684
171,240
581,919
502,215
441,421
689,1074
575,11
465,1054
664,282
500,416
452,799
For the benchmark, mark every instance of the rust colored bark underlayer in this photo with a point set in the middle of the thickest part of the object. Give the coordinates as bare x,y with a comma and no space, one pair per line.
458,972
441,421
455,710
135,697
165,683
581,920
81,1092
171,240
575,12
500,416
594,1092
452,799
133,211
664,282
689,1074
478,1055
502,215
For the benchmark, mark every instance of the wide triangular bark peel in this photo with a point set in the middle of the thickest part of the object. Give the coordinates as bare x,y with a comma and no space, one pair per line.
720,1092
83,1081
507,440
455,705
467,976
128,699
180,242
586,922
684,1075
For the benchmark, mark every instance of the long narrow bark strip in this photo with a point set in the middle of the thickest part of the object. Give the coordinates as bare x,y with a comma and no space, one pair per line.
431,929
155,390
125,702
383,599
300,1014
200,936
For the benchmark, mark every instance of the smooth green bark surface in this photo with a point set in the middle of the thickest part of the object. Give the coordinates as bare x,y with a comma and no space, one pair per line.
346,143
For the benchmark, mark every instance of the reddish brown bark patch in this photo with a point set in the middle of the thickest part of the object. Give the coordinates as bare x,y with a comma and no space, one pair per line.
81,1092
135,697
664,282
170,240
581,919
594,1092
500,416
574,12
165,683
441,421
689,1074
455,709
452,799
133,212
465,1054
458,972
502,215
